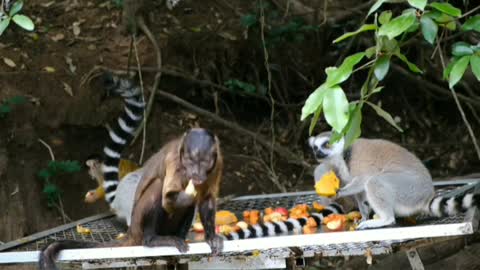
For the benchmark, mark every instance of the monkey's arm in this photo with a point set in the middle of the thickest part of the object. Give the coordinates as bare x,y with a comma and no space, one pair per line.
207,209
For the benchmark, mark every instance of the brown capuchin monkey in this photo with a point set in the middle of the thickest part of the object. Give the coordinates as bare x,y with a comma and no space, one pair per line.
164,208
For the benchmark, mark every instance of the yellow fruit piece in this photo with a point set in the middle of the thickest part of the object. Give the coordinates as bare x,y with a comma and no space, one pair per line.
328,185
354,215
334,224
125,167
83,230
224,217
190,189
121,236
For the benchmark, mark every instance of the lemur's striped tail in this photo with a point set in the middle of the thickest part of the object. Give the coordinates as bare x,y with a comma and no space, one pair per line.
275,228
449,206
121,133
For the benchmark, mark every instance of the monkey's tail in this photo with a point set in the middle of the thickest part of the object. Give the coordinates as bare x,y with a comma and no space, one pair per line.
122,132
46,260
275,228
449,206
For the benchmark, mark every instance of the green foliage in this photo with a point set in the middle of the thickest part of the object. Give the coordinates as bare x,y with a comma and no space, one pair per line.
54,169
390,33
292,30
6,106
118,3
398,25
237,85
472,24
429,29
21,20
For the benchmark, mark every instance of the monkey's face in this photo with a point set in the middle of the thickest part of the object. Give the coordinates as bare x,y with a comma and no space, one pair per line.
322,148
199,155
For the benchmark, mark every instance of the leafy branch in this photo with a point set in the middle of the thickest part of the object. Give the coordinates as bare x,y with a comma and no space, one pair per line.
8,14
6,106
391,35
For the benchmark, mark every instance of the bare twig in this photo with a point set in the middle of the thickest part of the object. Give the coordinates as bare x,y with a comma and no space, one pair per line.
210,84
60,206
470,12
48,147
434,87
460,109
143,100
273,175
280,150
151,37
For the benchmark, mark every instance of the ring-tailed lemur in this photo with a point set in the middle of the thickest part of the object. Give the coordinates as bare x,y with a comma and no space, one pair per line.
386,177
275,228
121,133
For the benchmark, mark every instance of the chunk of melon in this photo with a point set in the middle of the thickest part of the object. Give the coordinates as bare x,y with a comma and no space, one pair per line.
328,185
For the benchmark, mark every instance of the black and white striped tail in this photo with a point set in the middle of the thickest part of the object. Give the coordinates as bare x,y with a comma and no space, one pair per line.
276,228
121,133
449,206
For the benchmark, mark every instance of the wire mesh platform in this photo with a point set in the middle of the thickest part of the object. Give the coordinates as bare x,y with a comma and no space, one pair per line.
260,253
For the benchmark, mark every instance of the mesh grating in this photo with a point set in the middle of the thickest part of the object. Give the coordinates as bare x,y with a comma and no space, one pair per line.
106,229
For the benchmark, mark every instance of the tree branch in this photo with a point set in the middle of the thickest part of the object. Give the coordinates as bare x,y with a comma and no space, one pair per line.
285,153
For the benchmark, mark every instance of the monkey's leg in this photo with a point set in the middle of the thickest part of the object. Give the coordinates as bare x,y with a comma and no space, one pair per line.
356,186
150,237
380,198
207,209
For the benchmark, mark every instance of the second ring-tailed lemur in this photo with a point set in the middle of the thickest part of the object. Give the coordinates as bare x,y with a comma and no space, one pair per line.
385,177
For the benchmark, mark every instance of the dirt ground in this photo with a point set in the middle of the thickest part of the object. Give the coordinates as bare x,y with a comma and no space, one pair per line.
201,40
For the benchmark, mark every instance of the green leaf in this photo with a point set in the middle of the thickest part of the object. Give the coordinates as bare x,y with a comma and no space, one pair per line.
44,174
385,17
398,25
420,4
363,28
3,25
376,90
451,26
448,69
339,75
429,29
410,65
314,120
472,23
16,7
354,125
24,22
335,105
461,49
385,115
5,109
475,65
313,101
248,20
237,84
381,67
458,69
447,9
370,52
16,100
375,6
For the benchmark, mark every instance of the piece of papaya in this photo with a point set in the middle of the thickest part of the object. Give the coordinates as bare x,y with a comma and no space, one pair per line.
328,185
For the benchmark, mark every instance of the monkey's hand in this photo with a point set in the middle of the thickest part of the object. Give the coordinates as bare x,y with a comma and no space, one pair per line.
216,244
155,241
